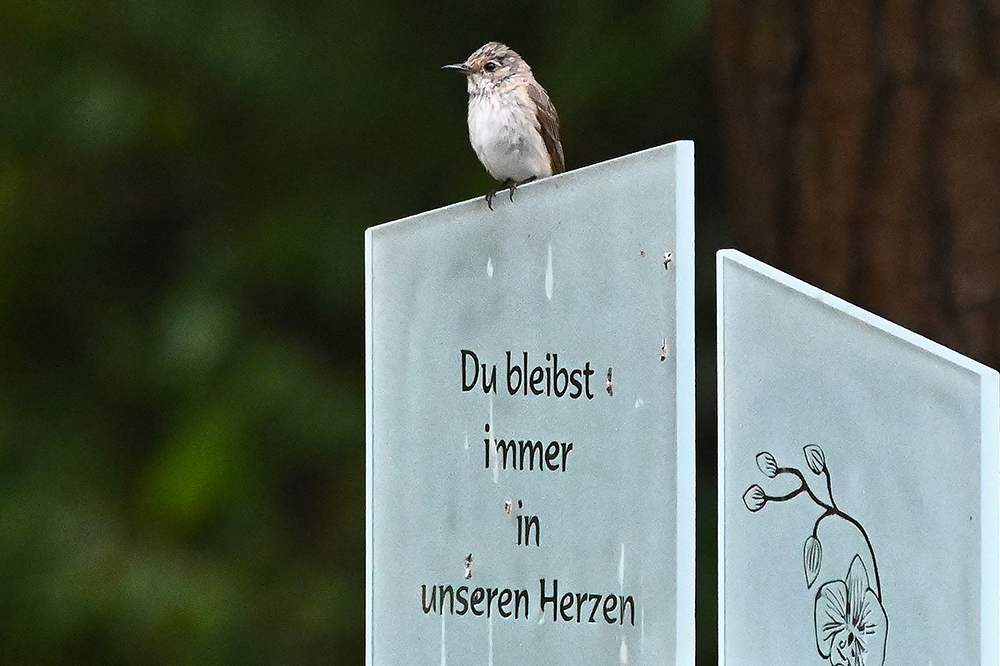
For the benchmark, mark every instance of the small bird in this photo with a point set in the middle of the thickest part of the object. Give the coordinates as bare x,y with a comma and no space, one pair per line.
513,126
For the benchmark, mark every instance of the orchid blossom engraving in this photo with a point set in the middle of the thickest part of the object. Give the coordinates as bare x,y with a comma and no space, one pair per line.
850,622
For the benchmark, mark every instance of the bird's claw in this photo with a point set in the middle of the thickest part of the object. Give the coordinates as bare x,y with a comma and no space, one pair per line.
505,185
509,185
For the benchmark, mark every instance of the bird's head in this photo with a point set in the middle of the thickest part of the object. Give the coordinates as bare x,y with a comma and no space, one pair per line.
491,64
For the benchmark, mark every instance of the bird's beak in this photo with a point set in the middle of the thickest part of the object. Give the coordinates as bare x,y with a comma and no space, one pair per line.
459,67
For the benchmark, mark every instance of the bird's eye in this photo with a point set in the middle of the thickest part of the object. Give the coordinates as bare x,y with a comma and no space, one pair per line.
490,66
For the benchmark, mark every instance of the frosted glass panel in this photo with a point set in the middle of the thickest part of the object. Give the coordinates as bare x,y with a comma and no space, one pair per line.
531,423
858,476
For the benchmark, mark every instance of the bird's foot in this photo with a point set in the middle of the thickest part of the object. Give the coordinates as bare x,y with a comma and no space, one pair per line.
514,185
510,185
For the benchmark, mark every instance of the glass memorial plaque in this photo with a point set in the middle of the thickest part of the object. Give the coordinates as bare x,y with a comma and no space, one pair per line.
858,484
530,406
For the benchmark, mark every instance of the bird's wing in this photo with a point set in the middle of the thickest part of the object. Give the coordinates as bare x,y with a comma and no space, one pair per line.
548,121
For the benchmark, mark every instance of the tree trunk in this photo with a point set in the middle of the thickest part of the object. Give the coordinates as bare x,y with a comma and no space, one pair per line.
864,153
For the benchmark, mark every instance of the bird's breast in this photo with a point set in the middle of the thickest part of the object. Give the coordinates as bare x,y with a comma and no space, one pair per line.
503,133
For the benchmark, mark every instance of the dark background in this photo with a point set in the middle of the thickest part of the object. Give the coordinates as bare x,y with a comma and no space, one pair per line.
184,186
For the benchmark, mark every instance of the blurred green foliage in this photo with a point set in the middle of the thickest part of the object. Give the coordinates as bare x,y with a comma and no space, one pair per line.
183,190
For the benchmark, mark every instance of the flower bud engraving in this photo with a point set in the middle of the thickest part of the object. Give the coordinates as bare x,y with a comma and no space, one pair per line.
815,458
812,559
767,464
754,498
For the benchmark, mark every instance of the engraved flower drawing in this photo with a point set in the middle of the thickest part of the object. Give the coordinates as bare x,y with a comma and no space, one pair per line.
850,620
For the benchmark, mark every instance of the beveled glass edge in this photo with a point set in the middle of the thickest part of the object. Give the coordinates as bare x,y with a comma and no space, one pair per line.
686,453
720,515
990,520
369,446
